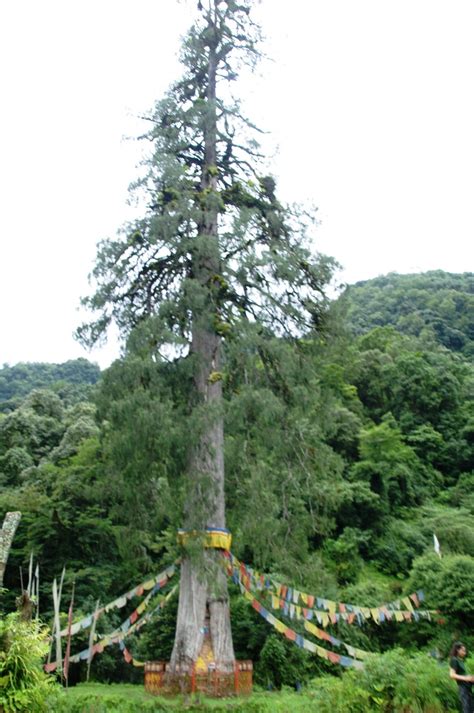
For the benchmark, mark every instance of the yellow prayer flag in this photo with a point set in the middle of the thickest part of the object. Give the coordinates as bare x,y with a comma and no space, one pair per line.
311,628
361,654
279,626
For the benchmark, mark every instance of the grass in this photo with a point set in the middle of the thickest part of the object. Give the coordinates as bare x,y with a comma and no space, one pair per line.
128,698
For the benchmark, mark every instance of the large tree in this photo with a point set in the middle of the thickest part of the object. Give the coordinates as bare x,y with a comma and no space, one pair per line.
215,255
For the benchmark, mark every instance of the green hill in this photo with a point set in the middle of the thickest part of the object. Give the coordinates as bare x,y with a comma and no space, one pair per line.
19,380
437,305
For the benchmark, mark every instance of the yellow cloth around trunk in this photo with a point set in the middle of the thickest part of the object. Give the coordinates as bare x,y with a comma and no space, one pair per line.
211,538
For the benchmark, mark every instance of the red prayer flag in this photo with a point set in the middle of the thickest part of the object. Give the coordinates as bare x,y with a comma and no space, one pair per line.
415,600
256,605
290,634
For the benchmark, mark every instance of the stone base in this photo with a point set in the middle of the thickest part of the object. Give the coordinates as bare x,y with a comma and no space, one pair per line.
159,680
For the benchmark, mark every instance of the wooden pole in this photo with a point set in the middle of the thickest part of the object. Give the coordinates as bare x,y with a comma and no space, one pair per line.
30,576
37,578
57,626
53,626
68,641
7,533
91,640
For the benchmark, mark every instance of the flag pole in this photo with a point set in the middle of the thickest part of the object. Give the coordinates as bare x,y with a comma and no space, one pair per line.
68,644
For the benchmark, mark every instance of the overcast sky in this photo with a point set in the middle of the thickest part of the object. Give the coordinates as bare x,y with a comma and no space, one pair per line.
370,107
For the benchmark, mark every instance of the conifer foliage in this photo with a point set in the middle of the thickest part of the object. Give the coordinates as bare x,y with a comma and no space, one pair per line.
215,255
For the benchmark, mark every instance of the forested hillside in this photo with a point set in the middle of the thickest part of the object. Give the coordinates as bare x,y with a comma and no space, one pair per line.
344,454
434,305
73,378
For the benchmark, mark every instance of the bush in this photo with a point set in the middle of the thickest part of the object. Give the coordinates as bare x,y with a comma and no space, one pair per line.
390,682
23,684
449,586
281,663
341,695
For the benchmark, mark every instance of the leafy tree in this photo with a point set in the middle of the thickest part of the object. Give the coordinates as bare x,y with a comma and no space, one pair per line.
448,583
215,254
427,391
29,433
392,469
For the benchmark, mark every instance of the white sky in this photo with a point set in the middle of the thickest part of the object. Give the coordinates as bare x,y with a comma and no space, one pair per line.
370,103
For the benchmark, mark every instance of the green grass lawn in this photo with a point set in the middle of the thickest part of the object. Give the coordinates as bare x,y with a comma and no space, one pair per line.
127,698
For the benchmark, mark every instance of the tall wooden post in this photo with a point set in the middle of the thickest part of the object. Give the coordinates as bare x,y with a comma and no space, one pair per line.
7,533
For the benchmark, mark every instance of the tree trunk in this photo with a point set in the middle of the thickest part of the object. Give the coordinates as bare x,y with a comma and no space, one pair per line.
203,613
203,599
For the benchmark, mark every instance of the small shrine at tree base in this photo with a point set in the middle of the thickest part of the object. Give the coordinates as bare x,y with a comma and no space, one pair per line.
205,676
210,681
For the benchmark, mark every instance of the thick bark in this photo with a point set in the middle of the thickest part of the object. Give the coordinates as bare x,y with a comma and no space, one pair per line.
203,588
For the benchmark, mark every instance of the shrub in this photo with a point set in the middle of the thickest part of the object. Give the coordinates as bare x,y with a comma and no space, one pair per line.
390,682
23,684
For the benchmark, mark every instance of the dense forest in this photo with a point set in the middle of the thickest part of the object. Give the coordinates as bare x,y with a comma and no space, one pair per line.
345,453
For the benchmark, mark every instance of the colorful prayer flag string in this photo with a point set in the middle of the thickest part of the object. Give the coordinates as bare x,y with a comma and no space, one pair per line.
154,584
311,628
326,611
117,636
301,641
